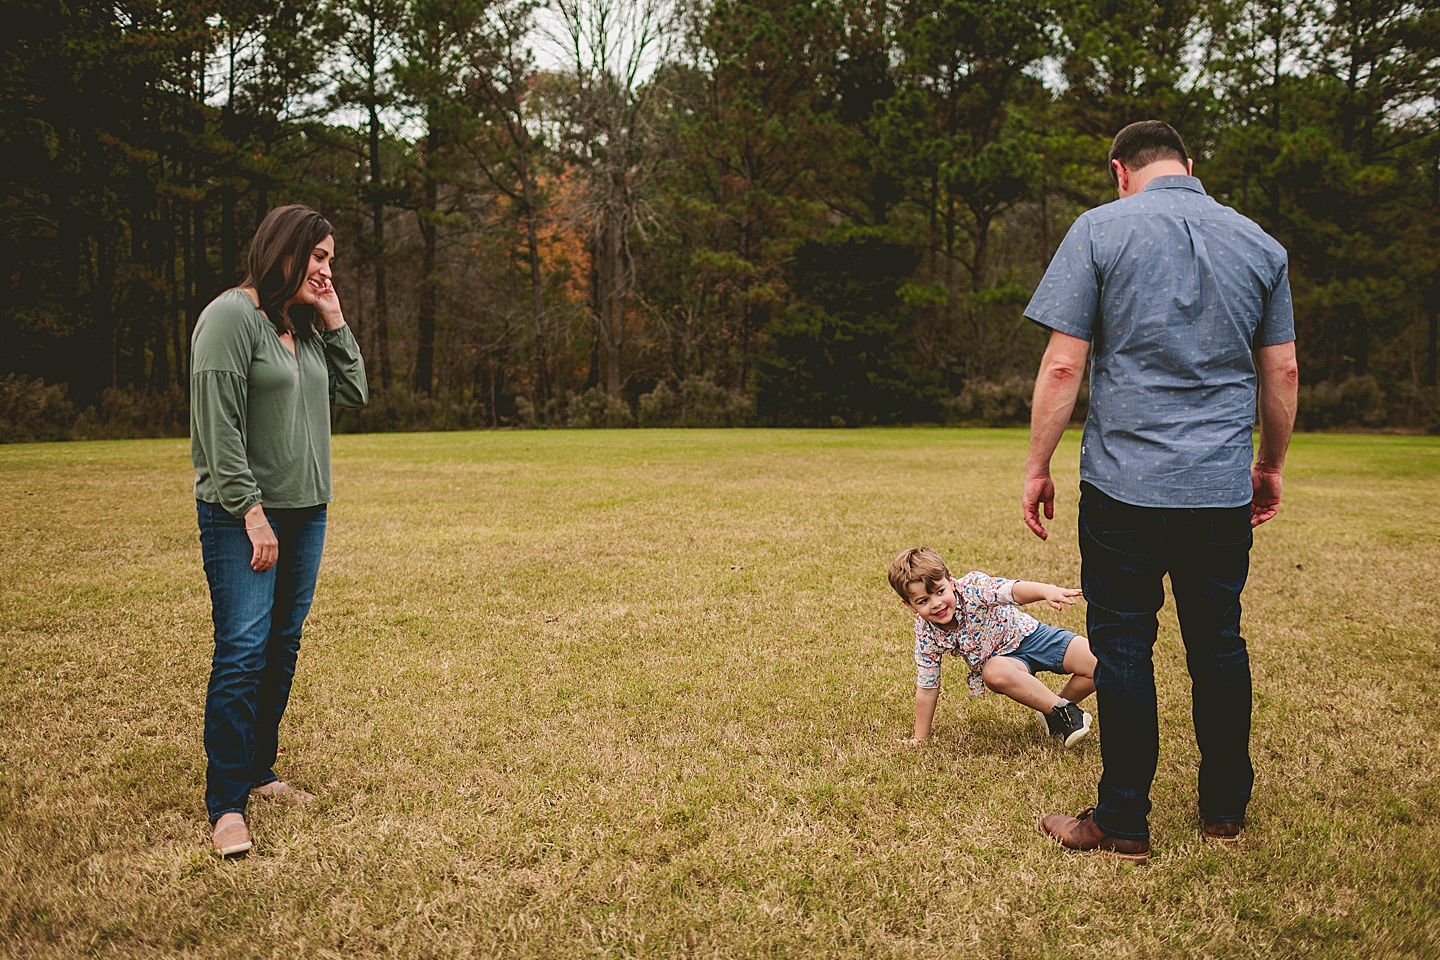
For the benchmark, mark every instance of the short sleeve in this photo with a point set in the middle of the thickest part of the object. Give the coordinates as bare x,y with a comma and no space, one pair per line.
1069,293
1278,323
927,670
927,659
981,590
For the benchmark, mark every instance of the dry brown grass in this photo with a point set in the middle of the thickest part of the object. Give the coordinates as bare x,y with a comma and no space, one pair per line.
636,694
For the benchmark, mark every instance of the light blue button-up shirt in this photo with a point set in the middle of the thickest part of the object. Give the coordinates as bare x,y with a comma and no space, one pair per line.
1174,291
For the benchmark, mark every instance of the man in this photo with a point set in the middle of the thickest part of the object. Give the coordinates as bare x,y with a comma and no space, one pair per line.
1186,304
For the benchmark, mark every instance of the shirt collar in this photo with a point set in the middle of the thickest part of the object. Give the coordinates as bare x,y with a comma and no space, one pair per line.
937,632
1175,182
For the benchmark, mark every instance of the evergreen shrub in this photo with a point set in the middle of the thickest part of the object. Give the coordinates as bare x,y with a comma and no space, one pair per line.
695,402
127,415
1357,402
1003,403
30,410
400,410
596,408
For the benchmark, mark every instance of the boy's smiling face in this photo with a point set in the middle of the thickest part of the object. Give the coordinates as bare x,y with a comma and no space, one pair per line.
933,607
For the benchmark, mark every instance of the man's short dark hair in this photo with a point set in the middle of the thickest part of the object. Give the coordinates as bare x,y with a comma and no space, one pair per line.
1141,144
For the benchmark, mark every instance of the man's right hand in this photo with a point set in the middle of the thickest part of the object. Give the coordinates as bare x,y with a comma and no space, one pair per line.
1038,490
1057,386
1265,501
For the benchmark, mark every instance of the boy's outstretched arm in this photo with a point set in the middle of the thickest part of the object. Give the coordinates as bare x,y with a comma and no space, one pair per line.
925,700
1028,591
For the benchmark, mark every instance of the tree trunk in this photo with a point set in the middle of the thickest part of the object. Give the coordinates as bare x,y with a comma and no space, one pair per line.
68,235
229,240
199,270
377,229
425,323
103,305
139,303
615,340
537,289
1046,254
167,320
982,250
1362,342
597,309
497,365
1431,344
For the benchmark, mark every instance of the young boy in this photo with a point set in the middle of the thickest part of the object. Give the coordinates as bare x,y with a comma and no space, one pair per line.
976,618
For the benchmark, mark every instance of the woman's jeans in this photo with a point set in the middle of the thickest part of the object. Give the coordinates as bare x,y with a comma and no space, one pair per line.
257,617
1126,551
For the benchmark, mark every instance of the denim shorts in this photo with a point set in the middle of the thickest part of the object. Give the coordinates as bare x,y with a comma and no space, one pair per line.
1044,649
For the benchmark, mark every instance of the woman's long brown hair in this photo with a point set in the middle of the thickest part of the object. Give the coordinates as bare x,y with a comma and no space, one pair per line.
279,258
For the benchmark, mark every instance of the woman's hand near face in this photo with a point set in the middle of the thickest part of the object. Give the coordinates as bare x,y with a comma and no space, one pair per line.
262,539
327,304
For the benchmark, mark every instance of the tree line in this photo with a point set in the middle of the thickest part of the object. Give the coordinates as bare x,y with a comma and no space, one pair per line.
785,212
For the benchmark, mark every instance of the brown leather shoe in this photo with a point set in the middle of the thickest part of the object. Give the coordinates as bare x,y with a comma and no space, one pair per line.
1081,833
1220,831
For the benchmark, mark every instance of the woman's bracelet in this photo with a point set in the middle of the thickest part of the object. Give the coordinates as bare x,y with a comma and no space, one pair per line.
257,526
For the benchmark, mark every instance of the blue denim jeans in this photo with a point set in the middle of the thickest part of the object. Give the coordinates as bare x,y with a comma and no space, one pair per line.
257,618
1125,552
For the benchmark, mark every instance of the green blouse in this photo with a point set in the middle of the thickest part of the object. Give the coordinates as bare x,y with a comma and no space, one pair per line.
260,415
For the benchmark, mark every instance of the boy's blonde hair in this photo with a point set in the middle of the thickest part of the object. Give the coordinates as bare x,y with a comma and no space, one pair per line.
917,565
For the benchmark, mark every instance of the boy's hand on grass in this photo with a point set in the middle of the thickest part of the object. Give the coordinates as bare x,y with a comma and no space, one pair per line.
909,741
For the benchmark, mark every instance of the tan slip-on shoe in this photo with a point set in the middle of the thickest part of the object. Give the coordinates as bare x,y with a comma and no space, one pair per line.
280,790
231,837
1081,833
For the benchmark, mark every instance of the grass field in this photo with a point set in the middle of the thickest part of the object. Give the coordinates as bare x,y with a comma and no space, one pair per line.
576,694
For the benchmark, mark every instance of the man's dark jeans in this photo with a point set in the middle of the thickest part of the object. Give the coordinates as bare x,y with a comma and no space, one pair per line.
257,618
1126,551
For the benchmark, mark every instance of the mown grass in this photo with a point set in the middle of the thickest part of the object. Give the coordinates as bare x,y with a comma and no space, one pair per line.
637,693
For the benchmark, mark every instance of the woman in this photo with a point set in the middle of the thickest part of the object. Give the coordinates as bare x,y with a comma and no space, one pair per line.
268,359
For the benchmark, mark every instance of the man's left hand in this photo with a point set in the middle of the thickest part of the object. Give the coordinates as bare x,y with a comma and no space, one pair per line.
1265,501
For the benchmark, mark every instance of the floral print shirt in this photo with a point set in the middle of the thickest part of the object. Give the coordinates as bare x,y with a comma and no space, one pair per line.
986,623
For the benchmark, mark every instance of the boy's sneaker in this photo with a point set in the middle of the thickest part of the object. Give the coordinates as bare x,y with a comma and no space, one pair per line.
1066,721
